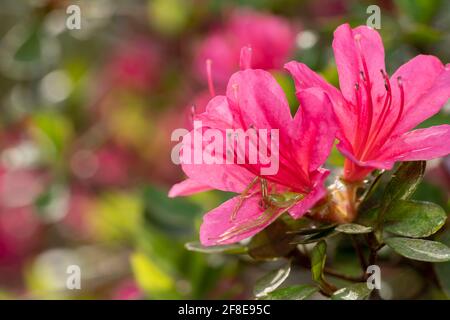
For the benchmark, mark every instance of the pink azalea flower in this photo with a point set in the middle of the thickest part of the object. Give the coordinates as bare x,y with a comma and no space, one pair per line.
272,39
255,100
377,113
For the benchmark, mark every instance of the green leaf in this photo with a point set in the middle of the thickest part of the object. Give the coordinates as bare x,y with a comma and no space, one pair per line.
316,237
414,219
271,281
375,192
418,249
53,133
318,257
404,181
372,199
150,277
272,242
298,292
387,188
353,228
30,49
173,216
231,249
117,215
312,230
443,269
358,291
418,10
431,193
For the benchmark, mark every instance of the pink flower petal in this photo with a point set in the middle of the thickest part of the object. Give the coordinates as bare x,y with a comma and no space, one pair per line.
313,129
426,83
258,100
217,115
186,188
316,194
215,174
305,78
350,46
420,144
218,228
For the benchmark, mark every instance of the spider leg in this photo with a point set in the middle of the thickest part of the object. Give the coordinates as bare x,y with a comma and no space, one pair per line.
242,197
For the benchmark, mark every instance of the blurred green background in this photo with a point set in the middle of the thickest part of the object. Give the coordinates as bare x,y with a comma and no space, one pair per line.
85,124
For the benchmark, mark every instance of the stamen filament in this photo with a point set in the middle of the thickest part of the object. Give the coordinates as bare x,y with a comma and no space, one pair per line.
242,198
212,92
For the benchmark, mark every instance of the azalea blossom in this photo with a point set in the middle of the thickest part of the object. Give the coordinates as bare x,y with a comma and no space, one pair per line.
254,100
271,37
377,113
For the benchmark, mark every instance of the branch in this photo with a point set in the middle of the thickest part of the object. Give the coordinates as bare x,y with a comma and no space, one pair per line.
359,252
342,276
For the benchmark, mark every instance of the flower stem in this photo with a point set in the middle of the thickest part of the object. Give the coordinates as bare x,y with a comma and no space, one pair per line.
342,276
360,253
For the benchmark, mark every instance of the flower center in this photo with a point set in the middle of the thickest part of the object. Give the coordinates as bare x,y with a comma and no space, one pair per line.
373,135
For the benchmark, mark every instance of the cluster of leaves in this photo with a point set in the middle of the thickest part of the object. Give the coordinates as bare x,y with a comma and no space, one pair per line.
387,217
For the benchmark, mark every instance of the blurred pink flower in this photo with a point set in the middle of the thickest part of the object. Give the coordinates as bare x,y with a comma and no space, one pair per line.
135,65
19,223
272,39
76,221
127,290
113,166
108,166
377,113
255,100
328,8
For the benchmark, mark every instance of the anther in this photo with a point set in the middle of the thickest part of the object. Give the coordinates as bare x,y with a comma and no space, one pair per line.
193,112
362,75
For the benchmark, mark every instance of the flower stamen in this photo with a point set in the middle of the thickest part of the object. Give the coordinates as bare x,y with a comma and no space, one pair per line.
212,92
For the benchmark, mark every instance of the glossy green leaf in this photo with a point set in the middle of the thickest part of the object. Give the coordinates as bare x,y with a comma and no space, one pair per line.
313,238
353,228
418,249
318,257
312,230
374,192
371,202
414,219
298,292
231,249
388,187
358,291
405,180
271,281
